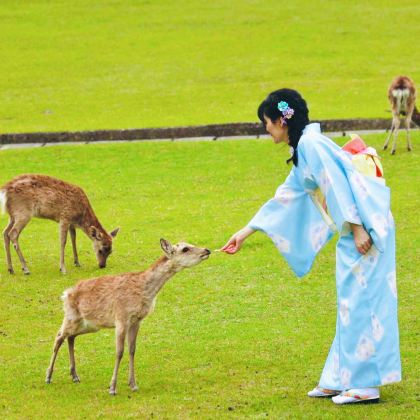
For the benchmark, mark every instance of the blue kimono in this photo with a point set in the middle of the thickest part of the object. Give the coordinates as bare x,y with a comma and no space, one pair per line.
365,350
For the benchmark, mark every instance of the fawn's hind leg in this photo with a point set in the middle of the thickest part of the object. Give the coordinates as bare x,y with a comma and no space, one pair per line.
61,336
131,338
73,373
69,329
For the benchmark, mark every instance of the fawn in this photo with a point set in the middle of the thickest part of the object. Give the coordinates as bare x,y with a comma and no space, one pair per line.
402,96
29,195
121,302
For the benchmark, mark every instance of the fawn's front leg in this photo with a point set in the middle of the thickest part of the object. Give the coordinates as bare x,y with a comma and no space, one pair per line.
120,333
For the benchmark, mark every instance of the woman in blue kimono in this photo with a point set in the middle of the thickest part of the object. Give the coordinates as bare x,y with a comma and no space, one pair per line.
324,193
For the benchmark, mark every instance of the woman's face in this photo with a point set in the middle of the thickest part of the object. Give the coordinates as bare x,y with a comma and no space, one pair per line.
279,132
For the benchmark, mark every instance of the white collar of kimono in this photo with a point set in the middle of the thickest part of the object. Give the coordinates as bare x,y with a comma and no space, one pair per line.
316,127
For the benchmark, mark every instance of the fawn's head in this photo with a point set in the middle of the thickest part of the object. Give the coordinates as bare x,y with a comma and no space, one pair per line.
184,255
102,244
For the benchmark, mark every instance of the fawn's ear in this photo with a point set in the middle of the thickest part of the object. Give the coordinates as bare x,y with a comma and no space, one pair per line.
166,246
94,233
114,232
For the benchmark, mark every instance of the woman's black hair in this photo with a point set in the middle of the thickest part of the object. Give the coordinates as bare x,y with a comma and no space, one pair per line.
296,124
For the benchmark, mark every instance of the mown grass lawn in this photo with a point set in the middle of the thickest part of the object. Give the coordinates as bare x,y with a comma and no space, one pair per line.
123,64
237,336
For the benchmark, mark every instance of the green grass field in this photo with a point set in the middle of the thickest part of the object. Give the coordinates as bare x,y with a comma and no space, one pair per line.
124,64
237,336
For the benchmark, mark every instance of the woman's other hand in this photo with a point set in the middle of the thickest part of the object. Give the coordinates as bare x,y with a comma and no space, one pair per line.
234,244
362,239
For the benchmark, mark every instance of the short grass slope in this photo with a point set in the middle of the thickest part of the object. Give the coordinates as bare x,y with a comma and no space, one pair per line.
85,65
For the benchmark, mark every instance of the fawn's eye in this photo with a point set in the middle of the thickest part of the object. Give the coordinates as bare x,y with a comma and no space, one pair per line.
186,249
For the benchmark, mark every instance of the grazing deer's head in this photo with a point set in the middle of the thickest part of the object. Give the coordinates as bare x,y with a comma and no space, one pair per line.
102,244
416,117
184,255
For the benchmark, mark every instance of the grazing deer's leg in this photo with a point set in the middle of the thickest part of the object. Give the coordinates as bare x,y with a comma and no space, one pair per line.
73,243
14,233
389,135
7,245
120,333
131,338
61,336
73,373
64,228
396,124
407,127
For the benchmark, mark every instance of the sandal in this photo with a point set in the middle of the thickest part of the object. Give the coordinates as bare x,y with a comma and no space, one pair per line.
319,392
362,395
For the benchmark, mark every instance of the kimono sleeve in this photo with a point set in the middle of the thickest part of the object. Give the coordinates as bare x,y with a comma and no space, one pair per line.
294,224
351,197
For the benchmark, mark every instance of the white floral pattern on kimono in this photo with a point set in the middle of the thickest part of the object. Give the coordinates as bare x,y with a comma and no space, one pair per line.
391,378
344,312
392,282
281,243
318,234
377,328
365,350
284,195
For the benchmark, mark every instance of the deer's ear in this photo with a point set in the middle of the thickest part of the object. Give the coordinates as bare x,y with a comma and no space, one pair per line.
94,233
166,246
114,232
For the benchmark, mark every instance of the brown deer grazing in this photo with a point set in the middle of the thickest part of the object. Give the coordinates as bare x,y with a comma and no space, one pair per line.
121,302
402,96
29,195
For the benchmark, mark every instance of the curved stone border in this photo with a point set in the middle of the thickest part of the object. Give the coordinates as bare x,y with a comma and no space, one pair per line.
213,130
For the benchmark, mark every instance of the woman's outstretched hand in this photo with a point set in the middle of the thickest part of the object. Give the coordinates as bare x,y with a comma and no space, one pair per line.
234,244
362,239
